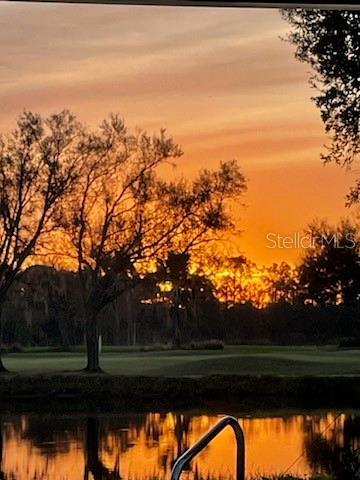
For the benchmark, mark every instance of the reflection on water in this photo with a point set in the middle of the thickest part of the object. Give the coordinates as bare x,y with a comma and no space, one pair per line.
144,446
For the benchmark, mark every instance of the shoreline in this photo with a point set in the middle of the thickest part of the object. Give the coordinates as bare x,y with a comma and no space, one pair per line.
103,392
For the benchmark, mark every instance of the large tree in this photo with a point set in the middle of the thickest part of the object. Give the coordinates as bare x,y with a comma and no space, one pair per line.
124,216
281,281
329,41
188,291
38,168
330,270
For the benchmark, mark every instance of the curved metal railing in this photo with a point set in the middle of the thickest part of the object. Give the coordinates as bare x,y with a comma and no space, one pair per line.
186,457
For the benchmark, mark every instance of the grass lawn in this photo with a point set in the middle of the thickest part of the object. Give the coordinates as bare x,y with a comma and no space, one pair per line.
234,360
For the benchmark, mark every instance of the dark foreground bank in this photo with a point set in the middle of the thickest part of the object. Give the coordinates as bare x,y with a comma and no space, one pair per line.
112,392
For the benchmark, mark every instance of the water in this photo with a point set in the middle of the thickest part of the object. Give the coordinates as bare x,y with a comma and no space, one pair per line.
144,446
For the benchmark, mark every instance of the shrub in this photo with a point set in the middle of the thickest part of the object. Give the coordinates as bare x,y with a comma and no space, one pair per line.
352,342
213,344
15,348
12,348
157,347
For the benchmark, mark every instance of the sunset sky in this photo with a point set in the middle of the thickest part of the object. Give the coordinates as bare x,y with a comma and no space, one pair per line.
220,80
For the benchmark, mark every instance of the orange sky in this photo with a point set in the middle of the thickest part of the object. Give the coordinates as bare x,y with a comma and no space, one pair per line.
220,80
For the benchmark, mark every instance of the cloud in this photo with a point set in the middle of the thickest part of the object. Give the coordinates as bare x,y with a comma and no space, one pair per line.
80,53
220,80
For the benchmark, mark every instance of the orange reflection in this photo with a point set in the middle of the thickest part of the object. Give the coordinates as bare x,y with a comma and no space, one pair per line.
145,446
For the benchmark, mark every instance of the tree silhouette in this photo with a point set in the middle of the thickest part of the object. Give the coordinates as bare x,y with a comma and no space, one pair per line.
123,215
38,167
93,462
329,41
334,453
281,282
176,270
330,270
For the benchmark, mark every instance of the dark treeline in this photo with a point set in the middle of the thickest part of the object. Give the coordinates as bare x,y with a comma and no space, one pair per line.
287,324
317,303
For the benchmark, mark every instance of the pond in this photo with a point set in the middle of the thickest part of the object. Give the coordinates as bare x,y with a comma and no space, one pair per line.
141,446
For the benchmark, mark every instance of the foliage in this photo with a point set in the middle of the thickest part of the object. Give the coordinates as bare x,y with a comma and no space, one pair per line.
330,270
38,166
123,214
206,345
350,465
329,41
238,280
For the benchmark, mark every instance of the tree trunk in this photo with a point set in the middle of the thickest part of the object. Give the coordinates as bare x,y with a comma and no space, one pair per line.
92,447
2,474
3,369
177,340
63,323
134,330
92,343
94,463
117,310
129,318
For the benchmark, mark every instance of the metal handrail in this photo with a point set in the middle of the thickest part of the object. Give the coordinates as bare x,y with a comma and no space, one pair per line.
186,457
